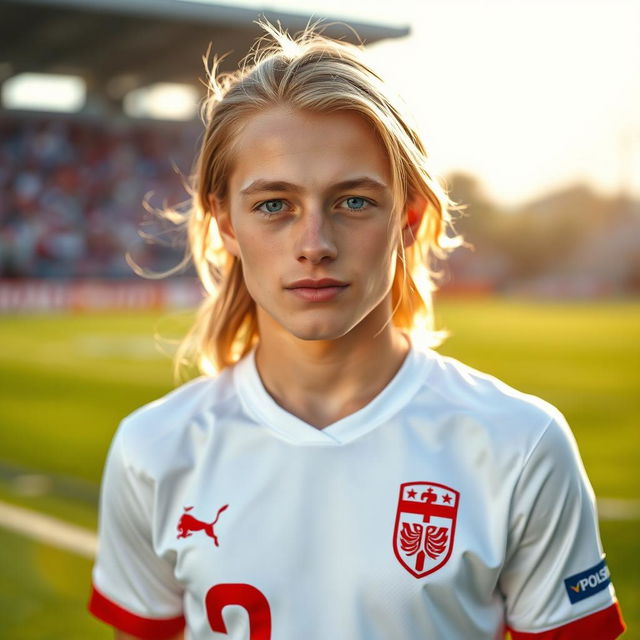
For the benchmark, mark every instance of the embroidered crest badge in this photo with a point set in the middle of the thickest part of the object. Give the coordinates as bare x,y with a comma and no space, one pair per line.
425,526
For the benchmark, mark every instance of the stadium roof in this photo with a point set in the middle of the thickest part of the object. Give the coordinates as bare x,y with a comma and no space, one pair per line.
119,45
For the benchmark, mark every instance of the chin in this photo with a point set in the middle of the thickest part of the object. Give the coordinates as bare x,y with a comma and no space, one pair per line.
318,332
310,325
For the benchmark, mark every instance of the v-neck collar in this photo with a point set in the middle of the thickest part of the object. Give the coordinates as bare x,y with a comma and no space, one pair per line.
264,409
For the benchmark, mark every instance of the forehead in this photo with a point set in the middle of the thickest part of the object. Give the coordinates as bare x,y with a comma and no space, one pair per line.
309,149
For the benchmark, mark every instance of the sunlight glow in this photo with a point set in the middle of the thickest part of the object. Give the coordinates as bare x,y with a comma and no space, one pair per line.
529,96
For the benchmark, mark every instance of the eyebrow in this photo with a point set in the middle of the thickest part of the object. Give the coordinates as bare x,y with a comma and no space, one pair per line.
260,186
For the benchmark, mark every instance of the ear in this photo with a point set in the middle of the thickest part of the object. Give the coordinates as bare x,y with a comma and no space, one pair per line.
222,216
413,215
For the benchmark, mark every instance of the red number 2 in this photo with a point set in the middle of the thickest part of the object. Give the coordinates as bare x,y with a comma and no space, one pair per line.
248,597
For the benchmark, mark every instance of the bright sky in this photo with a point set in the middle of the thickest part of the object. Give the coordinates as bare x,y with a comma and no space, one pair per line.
529,95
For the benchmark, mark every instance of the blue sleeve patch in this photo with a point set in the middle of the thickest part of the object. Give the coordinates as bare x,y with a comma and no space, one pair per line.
587,583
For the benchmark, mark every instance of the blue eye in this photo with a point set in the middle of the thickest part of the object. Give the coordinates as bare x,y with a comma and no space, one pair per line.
271,206
354,203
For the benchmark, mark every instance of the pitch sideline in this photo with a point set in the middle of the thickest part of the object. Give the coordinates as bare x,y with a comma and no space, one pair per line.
50,530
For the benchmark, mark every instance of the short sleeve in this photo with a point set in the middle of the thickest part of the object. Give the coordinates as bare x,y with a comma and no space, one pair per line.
134,589
555,581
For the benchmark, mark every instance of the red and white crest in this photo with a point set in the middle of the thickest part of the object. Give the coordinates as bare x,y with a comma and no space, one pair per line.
425,526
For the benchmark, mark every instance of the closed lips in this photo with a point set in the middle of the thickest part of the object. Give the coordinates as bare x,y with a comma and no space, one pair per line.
316,284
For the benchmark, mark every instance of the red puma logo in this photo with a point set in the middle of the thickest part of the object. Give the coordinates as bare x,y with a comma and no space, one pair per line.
188,524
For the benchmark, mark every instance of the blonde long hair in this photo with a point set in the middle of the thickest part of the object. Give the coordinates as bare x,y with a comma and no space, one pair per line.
308,72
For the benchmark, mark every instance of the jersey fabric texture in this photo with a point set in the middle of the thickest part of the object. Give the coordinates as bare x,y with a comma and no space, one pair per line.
451,507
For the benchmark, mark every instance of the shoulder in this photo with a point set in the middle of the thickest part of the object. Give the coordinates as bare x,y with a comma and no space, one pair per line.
487,403
167,431
462,386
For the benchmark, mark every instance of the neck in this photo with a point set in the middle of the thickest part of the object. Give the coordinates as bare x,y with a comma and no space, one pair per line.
322,381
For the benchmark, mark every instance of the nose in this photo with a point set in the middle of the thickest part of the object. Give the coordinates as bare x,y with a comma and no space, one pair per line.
315,241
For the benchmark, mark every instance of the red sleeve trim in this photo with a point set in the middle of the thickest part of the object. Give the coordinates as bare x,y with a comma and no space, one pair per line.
146,628
603,625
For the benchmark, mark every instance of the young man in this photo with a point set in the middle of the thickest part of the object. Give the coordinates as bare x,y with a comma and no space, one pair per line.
336,479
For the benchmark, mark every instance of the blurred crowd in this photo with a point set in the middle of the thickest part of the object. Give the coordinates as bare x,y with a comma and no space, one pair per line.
72,192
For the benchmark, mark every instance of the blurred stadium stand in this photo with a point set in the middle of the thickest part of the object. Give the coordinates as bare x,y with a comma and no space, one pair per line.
118,45
72,185
71,192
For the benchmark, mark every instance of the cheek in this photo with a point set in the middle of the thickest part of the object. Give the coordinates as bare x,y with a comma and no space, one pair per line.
258,254
382,250
378,256
248,244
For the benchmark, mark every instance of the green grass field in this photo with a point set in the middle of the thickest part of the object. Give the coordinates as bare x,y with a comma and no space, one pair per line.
68,380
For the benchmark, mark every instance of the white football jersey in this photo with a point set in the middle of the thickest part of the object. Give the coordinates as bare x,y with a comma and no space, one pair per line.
451,507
